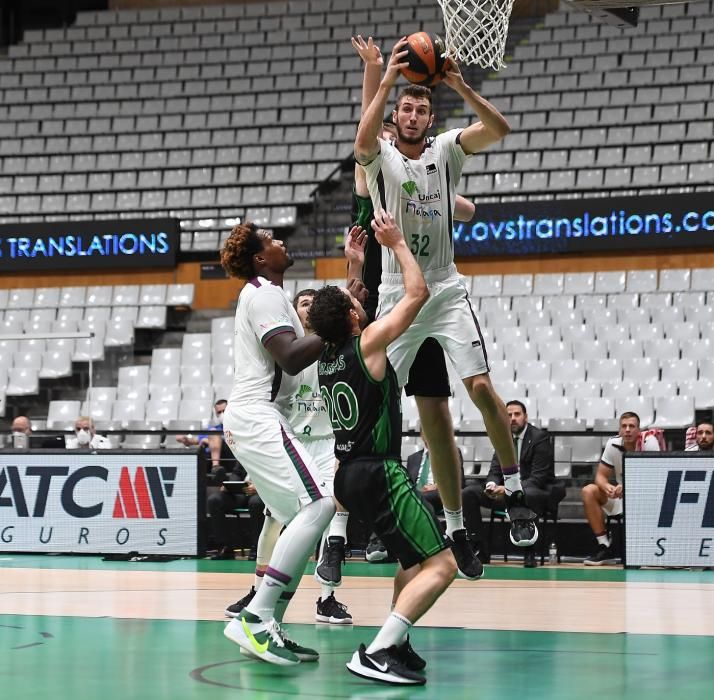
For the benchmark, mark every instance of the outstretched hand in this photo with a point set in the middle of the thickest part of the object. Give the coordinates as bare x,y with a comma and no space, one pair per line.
396,62
453,77
355,245
368,51
357,289
386,230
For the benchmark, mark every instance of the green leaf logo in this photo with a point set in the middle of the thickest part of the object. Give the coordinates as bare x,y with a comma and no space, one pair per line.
304,389
410,187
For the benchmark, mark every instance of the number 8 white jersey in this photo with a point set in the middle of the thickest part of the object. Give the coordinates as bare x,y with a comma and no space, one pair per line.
420,194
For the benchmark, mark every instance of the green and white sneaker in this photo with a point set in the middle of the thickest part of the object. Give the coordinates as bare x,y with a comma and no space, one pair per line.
260,639
303,653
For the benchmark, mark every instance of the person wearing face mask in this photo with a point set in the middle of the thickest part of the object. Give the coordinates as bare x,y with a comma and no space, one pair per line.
85,437
21,432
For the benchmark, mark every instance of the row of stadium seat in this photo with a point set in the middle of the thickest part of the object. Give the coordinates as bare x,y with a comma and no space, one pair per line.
97,295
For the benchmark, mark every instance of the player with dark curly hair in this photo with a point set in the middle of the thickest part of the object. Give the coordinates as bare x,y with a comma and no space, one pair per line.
271,349
361,392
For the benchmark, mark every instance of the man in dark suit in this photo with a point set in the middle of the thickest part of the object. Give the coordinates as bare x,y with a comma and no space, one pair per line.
419,469
535,456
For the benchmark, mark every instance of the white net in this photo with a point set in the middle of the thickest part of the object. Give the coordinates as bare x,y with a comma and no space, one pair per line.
476,30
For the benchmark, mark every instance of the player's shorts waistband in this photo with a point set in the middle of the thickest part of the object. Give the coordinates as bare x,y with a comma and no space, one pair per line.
439,274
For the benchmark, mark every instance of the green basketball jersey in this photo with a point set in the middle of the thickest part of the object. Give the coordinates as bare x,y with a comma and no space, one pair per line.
366,415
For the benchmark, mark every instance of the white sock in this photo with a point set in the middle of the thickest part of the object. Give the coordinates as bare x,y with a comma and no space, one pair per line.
258,578
290,555
512,482
393,632
326,592
454,520
603,539
338,525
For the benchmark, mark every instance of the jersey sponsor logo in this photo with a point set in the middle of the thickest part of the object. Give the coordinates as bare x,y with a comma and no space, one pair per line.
416,209
344,446
431,169
410,187
430,197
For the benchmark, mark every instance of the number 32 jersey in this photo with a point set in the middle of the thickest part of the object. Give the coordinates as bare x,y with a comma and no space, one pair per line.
420,194
366,414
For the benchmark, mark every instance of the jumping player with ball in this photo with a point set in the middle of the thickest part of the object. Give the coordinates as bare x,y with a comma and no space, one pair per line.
414,177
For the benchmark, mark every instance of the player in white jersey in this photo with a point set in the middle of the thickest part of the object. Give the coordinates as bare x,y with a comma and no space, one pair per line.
414,178
311,423
309,420
603,497
270,352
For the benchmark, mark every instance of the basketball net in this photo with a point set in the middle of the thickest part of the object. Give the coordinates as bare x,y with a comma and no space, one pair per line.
476,30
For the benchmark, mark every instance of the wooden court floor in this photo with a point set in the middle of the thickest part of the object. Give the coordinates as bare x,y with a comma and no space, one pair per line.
78,627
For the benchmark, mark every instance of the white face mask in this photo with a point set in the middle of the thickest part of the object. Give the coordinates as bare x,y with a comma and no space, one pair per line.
84,437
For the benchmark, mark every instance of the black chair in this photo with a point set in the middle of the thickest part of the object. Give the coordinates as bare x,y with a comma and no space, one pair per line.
556,492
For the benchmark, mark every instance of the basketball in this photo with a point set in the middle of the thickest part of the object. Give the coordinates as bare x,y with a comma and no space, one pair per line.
427,64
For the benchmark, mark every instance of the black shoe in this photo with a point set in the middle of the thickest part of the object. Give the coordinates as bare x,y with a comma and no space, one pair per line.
383,665
529,559
332,611
224,553
524,532
469,565
329,571
604,555
234,610
376,551
409,657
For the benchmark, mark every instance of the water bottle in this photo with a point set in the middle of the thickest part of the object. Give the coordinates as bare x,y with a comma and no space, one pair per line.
553,554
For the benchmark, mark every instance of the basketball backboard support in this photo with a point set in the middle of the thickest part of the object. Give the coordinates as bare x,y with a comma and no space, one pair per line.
620,13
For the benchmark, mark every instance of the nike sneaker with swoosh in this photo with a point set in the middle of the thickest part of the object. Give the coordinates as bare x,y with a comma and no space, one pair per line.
524,532
262,640
383,665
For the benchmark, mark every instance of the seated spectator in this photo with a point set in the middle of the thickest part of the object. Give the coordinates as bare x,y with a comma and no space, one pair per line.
419,469
221,460
604,496
85,436
21,432
535,456
224,501
23,437
704,438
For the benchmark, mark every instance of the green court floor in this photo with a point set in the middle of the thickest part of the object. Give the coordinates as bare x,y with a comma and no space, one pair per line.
107,658
102,658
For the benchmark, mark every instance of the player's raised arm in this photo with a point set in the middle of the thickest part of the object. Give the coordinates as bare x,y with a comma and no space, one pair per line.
379,334
372,57
366,142
492,126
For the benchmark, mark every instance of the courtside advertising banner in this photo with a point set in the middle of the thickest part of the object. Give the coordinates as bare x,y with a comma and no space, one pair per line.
107,502
89,245
669,509
607,224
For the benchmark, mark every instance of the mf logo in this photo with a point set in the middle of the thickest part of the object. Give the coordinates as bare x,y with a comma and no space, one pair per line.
145,496
675,493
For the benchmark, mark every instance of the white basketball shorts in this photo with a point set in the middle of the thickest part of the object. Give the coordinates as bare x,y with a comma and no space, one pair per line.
447,316
322,450
285,475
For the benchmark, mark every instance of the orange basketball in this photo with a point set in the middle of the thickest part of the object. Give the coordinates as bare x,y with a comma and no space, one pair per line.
427,64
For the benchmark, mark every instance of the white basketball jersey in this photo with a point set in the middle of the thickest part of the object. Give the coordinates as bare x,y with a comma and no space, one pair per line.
263,311
420,194
308,415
